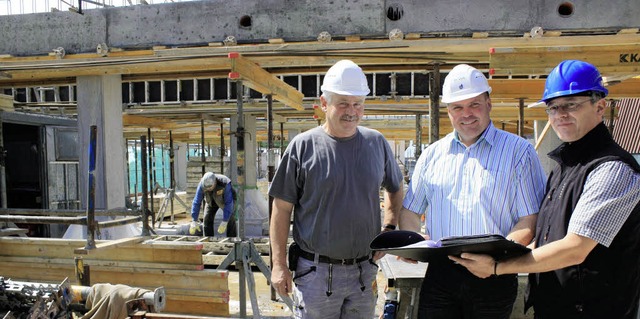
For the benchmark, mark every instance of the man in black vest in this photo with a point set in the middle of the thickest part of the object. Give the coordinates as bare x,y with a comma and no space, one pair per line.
586,261
217,192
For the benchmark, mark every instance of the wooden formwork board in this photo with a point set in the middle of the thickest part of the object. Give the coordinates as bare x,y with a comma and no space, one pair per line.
46,272
152,254
191,306
214,260
215,249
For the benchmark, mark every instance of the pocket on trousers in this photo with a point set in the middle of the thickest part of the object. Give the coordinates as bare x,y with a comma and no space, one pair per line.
304,274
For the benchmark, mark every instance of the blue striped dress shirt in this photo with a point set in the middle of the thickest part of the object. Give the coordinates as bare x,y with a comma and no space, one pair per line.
481,189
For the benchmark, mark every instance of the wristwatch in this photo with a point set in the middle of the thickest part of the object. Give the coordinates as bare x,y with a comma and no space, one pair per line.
389,226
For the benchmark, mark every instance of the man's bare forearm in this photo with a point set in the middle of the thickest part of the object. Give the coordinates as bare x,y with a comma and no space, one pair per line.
409,220
279,230
392,207
523,231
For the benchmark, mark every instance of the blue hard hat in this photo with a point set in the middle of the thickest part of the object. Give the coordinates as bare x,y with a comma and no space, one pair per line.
572,77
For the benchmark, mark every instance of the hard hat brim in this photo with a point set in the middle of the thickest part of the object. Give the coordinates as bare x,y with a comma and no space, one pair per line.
350,92
463,97
566,93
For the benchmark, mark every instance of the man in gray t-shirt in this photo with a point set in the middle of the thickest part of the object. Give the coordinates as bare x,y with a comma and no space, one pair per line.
329,178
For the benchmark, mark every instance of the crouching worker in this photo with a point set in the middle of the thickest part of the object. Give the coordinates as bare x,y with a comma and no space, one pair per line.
217,192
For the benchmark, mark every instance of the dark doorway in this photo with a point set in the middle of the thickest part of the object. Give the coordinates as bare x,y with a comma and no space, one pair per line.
24,167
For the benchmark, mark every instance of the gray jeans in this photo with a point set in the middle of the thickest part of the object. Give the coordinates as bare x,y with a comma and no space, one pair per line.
349,293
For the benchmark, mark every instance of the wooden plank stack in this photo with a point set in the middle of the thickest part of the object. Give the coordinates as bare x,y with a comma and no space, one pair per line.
176,266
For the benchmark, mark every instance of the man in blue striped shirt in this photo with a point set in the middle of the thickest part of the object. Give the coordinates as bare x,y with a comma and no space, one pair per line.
587,255
476,180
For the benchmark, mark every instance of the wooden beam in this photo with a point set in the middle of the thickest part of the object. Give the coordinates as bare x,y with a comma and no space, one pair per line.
629,88
132,252
315,57
104,263
609,59
507,89
148,65
262,81
110,244
142,121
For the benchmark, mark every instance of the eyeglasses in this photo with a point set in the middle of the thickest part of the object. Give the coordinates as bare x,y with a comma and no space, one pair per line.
566,107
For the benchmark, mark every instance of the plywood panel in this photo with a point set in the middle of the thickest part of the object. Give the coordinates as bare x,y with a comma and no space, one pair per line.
152,252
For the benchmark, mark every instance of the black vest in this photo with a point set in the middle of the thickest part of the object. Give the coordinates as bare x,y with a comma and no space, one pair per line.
216,196
607,283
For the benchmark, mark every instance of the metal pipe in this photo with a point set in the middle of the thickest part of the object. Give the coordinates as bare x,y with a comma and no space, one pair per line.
82,220
418,149
434,104
202,157
91,194
172,182
240,155
521,118
150,183
66,186
68,212
156,298
222,151
241,158
3,173
143,166
154,171
281,138
127,191
271,173
135,169
120,222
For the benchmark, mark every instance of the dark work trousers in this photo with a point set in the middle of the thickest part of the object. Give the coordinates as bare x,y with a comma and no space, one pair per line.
450,291
210,214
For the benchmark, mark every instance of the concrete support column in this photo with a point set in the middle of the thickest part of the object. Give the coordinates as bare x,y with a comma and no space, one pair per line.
292,133
180,165
256,210
100,104
250,147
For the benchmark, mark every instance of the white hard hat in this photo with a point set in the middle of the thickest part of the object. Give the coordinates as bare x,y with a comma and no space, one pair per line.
345,78
464,82
208,180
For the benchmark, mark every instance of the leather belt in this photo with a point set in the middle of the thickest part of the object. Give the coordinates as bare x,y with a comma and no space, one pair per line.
328,260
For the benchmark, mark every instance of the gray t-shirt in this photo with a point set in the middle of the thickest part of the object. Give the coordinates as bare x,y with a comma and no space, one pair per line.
334,185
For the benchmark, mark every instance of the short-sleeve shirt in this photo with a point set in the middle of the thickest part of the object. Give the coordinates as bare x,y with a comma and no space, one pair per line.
610,193
481,189
334,185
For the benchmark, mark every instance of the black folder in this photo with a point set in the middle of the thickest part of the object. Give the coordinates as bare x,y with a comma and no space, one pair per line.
412,245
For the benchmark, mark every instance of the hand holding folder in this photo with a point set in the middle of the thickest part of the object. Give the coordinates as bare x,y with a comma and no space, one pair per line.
411,245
